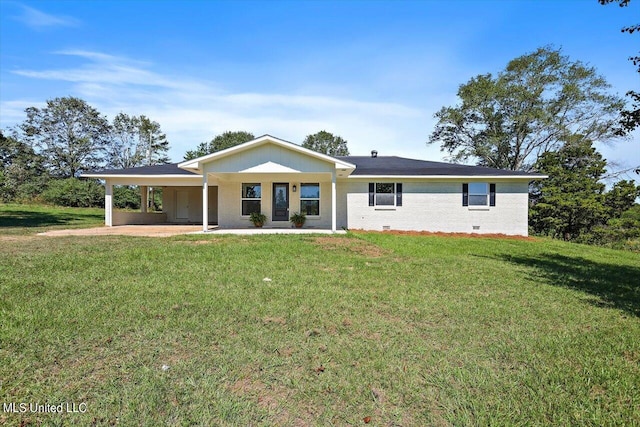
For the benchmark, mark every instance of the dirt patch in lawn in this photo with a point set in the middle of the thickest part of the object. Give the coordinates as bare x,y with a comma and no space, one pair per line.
357,246
127,230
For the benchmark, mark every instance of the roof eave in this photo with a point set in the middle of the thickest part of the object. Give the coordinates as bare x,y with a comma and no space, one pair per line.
106,176
487,177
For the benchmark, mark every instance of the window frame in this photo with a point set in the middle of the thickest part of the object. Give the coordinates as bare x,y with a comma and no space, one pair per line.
468,192
397,195
244,199
304,199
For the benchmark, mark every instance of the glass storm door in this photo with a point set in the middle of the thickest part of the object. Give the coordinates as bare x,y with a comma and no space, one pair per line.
280,202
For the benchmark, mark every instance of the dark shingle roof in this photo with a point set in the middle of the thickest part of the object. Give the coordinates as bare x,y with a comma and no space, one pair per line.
365,165
394,166
166,169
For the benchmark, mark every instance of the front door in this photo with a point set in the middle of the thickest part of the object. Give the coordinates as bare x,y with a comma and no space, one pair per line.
280,202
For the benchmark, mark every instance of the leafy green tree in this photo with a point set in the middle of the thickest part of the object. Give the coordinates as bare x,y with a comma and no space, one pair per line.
621,198
22,172
509,120
326,143
221,142
70,135
618,233
136,141
124,150
153,142
126,197
571,201
75,192
630,117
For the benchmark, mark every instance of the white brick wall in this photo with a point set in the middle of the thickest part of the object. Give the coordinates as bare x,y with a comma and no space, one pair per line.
435,206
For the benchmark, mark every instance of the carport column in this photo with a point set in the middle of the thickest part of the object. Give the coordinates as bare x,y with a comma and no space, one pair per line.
144,198
205,201
333,201
108,203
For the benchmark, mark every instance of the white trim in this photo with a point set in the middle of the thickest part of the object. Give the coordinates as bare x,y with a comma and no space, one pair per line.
108,204
242,198
205,203
333,203
319,198
99,176
447,177
270,167
395,196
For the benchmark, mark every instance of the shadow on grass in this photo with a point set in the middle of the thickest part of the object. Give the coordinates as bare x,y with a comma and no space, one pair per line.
615,286
27,219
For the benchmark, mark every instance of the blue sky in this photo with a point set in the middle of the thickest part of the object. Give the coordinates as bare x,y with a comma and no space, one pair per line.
373,72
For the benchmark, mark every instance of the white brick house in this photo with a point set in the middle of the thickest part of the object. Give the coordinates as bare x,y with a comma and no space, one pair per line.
373,192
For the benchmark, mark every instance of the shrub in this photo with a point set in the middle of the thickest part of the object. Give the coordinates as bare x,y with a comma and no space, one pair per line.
126,197
74,192
618,233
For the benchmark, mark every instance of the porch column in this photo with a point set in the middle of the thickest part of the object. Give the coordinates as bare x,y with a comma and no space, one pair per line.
144,198
108,203
333,202
205,201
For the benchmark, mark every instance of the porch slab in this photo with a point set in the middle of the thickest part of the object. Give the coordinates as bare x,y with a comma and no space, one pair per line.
265,230
175,230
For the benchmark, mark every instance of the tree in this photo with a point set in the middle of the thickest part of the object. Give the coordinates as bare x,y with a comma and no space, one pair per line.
538,102
125,150
630,117
22,173
327,143
221,142
152,141
75,192
621,198
70,134
136,141
570,201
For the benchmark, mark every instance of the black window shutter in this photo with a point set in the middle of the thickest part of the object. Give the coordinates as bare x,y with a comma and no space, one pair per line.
399,194
372,189
492,194
465,194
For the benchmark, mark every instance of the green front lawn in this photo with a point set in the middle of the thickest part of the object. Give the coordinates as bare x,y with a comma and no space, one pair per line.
406,330
31,219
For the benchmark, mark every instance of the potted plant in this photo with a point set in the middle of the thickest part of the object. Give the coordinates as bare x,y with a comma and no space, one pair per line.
257,219
298,219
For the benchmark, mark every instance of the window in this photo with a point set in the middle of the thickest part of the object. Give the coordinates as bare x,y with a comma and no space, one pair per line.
385,194
310,199
478,194
251,198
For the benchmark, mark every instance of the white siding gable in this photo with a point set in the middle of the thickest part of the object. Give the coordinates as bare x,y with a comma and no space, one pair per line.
268,153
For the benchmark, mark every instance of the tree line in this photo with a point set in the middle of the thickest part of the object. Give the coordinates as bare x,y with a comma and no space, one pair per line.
544,112
322,142
43,156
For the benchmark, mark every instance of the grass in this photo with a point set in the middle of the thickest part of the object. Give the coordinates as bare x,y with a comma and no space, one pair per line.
406,330
22,219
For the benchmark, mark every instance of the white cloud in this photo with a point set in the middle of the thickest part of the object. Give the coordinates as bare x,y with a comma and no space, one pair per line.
38,20
191,111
